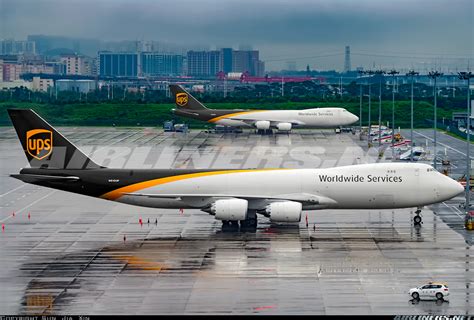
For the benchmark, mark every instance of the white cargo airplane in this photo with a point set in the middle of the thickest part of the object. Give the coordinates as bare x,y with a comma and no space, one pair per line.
230,195
283,120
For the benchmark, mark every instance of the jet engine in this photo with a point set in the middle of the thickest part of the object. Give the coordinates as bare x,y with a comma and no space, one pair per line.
262,125
284,126
284,211
229,209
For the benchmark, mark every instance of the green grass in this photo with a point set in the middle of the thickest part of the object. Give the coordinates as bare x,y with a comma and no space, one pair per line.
151,114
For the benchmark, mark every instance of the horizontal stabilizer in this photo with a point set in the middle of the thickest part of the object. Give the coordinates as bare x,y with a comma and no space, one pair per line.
32,178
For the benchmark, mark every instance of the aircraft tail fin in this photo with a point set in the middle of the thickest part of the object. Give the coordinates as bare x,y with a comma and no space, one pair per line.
44,146
184,100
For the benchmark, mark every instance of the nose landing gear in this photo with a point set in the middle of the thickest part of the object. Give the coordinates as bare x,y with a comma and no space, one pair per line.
417,220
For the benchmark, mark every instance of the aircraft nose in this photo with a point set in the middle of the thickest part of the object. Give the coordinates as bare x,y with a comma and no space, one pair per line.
352,118
451,188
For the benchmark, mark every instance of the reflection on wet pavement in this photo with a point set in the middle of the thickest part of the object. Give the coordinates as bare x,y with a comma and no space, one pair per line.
71,257
341,268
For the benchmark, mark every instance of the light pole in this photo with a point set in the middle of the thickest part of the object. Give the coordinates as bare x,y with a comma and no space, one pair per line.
380,73
467,76
393,73
412,73
360,102
370,73
434,75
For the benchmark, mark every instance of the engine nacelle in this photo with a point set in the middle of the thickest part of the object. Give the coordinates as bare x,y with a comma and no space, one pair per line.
262,125
230,209
284,126
284,211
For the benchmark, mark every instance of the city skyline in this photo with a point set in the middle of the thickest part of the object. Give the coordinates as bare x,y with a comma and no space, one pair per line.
431,34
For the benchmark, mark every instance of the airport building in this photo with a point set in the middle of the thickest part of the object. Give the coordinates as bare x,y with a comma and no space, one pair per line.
82,85
461,117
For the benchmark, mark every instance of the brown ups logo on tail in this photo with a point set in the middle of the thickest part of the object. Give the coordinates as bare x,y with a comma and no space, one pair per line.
181,99
39,143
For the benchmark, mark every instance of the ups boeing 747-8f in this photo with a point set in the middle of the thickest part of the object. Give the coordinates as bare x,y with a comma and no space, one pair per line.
231,195
283,120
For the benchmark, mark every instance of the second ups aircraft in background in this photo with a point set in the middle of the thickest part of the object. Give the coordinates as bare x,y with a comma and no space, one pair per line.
283,120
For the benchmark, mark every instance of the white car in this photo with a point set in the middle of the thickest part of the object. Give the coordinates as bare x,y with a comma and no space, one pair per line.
439,291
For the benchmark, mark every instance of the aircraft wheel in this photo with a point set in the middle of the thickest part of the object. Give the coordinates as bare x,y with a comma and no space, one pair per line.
417,220
252,222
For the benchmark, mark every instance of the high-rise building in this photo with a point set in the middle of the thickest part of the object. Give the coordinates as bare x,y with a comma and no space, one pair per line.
11,46
75,64
347,59
40,84
11,72
118,64
203,63
209,63
226,55
260,71
247,61
90,66
159,64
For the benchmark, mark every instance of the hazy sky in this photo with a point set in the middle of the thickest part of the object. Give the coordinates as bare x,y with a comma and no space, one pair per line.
387,33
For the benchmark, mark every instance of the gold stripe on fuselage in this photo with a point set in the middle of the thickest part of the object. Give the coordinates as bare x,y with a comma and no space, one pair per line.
230,115
117,193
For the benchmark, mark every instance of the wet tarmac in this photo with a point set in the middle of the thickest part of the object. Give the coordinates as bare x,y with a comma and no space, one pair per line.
69,254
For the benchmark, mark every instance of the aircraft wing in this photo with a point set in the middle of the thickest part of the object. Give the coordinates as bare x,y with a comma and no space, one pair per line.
304,198
273,123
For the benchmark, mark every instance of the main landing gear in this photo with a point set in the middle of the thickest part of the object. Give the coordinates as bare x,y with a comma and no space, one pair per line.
250,223
417,220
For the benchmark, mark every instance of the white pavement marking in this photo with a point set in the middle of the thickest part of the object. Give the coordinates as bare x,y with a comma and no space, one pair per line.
26,207
117,141
453,210
24,185
445,145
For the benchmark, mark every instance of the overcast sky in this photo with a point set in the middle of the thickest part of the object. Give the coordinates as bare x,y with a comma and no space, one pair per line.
387,33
